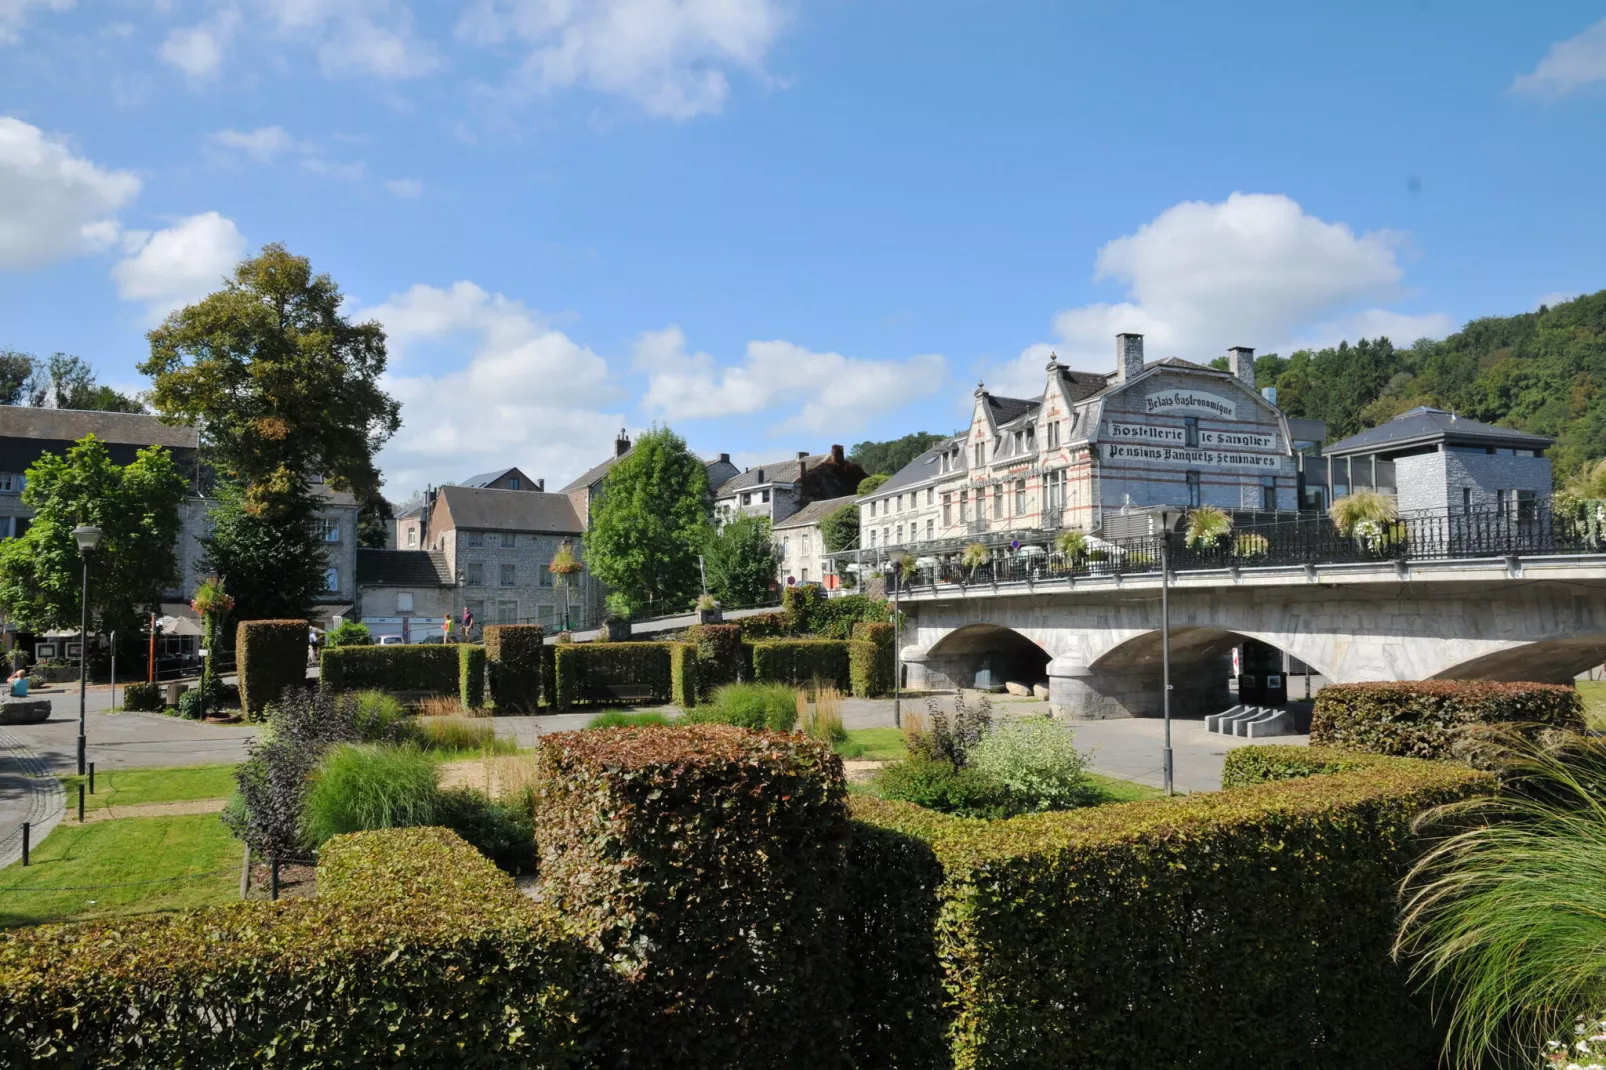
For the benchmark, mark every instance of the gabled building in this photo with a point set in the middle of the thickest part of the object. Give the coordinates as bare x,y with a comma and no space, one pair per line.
506,479
779,489
802,544
405,592
586,489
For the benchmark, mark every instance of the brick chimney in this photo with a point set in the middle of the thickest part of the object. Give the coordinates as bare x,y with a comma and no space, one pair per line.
1128,357
837,456
1242,360
802,464
724,458
621,445
760,477
540,484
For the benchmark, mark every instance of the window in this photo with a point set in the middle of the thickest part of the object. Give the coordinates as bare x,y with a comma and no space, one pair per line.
886,536
1054,434
473,574
931,496
964,506
509,540
1031,437
1020,497
473,538
1190,431
1020,442
1054,493
900,535
507,612
404,601
1268,493
786,546
512,482
981,454
872,536
544,576
1466,499
327,528
11,482
947,510
803,574
747,497
998,502
930,534
763,495
872,510
331,579
509,576
1193,490
1526,506
806,542
1500,502
412,536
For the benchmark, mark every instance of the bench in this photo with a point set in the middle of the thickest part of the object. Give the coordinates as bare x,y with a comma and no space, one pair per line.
629,692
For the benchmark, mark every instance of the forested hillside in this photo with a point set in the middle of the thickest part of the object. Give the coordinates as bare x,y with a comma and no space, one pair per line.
1539,371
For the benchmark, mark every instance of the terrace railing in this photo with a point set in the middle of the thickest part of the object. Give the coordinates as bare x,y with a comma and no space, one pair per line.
1526,529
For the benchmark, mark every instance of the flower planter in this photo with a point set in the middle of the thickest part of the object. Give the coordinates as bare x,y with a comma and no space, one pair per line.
710,616
617,630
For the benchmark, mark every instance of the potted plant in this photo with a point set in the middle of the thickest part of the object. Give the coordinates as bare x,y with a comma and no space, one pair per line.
1207,527
708,611
565,566
616,625
1371,518
974,556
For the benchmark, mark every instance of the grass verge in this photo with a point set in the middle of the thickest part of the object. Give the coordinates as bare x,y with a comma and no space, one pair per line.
126,866
136,787
873,744
1593,692
1115,790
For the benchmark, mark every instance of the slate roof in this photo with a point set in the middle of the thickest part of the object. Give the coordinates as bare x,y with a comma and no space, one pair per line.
1423,425
485,479
922,468
814,512
483,509
1006,409
402,568
70,425
784,471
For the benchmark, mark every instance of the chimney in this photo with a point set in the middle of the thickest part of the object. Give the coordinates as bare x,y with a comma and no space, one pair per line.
802,464
621,445
540,484
1128,357
1242,359
724,458
836,454
760,477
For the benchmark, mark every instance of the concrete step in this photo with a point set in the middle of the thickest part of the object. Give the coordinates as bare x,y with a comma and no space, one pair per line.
1213,722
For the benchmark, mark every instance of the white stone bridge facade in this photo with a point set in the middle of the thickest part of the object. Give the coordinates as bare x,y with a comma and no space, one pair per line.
1098,641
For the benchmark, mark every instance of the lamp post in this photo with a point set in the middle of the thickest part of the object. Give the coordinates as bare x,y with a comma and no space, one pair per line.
897,562
1165,651
88,537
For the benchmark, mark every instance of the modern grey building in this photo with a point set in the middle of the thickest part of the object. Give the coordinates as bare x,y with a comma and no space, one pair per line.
1431,459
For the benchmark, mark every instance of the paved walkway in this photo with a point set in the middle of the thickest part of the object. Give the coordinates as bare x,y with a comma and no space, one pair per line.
29,792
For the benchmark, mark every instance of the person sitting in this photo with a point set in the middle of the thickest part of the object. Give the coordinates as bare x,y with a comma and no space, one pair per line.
19,683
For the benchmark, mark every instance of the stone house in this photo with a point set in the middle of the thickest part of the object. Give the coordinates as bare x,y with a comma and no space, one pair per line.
28,433
1104,453
405,592
802,545
779,489
1434,460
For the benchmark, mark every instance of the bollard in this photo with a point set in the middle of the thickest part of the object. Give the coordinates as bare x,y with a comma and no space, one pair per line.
26,828
91,778
80,804
245,874
273,877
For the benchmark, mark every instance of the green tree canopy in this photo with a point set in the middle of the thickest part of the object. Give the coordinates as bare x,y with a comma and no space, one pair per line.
281,384
273,564
839,529
61,382
742,562
651,523
136,506
886,458
871,484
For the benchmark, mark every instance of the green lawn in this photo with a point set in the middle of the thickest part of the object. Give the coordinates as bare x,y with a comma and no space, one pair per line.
135,787
73,867
1116,790
1593,692
873,744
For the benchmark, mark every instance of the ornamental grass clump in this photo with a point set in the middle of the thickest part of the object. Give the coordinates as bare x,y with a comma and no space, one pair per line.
755,706
1207,527
1505,918
360,787
460,734
624,719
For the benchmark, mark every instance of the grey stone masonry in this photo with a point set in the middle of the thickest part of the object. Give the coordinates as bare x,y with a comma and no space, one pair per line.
1453,478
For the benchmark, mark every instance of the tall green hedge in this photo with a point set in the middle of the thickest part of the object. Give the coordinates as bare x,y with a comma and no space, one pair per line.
720,657
1437,718
515,659
685,670
431,667
271,655
417,951
810,612
723,918
872,670
470,675
584,671
800,661
1249,927
765,626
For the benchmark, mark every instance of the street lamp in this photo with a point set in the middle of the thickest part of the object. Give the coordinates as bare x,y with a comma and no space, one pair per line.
897,561
88,537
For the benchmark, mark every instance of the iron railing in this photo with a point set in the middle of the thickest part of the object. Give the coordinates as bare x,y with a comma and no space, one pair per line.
1523,530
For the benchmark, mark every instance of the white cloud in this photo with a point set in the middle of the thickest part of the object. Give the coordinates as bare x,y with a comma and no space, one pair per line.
1570,65
262,144
179,264
54,204
1254,270
523,393
670,57
405,187
13,13
1560,297
779,376
373,37
351,172
198,50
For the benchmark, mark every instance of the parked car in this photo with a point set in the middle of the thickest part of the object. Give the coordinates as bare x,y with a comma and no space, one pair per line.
391,640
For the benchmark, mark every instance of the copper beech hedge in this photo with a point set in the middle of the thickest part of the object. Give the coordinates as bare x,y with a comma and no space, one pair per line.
1437,718
271,655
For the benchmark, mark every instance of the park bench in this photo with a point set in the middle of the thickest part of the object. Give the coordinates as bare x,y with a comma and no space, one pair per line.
632,693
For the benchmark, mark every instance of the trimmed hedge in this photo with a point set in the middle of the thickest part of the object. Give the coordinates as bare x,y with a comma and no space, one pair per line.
583,671
1283,761
417,951
810,612
684,674
143,697
431,667
1249,927
1437,718
872,670
515,655
799,661
722,918
470,675
271,655
720,657
764,626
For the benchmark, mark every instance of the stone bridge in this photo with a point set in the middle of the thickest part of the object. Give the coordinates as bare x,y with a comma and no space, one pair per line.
1097,640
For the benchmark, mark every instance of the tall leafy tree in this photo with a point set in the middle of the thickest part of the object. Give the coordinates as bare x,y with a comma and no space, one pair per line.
839,529
15,370
886,458
651,523
136,506
742,561
273,564
61,382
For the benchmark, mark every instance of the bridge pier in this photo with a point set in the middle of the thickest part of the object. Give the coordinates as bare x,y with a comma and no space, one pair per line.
1082,692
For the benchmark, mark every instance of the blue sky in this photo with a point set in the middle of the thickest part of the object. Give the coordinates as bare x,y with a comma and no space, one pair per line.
776,224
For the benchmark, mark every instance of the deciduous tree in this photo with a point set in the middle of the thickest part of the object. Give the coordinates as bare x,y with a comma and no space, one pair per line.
742,562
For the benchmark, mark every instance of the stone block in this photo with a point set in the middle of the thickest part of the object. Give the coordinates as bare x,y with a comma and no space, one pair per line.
1040,691
1019,690
24,711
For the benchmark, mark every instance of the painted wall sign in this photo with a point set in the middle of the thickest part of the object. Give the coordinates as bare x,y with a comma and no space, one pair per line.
1189,400
1209,458
1145,433
1247,439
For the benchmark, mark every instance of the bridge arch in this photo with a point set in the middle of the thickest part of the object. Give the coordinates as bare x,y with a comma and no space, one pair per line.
1006,654
1198,645
1554,661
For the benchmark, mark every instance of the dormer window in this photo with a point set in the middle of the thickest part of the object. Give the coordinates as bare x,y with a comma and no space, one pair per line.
1054,435
981,454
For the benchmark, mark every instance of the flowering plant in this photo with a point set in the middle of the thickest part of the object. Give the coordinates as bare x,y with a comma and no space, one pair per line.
1587,1051
211,598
